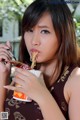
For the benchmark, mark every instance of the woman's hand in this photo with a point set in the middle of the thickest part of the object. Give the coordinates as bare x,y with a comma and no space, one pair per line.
31,85
35,88
4,71
5,56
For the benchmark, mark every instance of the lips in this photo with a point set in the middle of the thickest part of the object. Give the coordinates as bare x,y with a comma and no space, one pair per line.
34,50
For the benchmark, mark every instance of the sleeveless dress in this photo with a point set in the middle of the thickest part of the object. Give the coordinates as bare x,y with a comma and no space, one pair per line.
19,110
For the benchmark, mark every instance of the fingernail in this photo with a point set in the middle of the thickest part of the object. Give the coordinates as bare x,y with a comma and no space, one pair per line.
5,86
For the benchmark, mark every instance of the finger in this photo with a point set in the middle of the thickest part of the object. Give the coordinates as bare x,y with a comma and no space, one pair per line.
11,84
4,62
24,72
13,88
6,53
8,44
4,50
22,79
21,76
18,81
4,46
9,87
4,56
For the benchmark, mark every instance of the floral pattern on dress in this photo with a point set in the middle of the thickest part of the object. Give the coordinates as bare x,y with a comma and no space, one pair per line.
13,102
64,74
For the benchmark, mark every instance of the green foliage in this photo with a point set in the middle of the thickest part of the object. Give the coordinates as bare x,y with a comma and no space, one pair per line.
13,8
78,29
78,32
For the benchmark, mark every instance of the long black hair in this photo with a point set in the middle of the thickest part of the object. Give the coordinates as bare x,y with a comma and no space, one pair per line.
63,25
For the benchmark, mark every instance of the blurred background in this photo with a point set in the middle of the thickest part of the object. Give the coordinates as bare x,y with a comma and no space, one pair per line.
11,12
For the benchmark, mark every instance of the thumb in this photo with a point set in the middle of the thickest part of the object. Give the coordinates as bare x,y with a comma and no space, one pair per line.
9,44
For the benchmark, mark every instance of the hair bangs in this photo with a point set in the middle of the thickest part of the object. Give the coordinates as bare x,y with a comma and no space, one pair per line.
32,15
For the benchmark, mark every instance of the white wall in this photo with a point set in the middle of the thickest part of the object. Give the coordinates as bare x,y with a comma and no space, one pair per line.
10,30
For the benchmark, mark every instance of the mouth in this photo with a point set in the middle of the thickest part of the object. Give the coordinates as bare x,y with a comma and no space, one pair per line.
34,50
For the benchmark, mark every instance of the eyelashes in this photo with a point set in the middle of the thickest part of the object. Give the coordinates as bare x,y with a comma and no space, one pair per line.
44,31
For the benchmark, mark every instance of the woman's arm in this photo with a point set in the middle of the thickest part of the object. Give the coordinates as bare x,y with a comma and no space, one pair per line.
3,92
36,90
49,107
72,94
4,72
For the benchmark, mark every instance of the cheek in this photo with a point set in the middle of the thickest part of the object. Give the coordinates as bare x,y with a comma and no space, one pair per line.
51,47
49,50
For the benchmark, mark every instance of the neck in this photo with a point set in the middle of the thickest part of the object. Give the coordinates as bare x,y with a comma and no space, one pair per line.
48,69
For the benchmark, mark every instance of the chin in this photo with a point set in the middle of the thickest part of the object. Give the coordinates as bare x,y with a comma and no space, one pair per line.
41,60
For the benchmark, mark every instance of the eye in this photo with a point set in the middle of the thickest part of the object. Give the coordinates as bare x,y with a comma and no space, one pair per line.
30,30
45,32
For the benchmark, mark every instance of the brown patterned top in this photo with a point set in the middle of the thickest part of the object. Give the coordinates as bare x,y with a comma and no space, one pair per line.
19,110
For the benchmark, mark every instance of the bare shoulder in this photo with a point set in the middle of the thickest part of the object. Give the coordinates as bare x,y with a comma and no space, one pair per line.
73,83
72,94
74,78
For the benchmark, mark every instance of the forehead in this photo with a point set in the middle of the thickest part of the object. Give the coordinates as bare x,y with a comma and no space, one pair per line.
45,20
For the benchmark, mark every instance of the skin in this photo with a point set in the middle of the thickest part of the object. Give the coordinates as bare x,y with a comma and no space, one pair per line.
4,72
43,38
47,45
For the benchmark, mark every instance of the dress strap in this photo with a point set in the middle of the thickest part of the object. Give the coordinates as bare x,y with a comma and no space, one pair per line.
58,88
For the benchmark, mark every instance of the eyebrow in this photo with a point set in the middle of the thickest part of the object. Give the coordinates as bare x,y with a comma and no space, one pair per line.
43,26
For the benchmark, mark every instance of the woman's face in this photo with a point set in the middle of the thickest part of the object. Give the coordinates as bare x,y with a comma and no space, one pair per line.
42,38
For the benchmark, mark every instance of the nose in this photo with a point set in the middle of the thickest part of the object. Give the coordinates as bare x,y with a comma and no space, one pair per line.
36,39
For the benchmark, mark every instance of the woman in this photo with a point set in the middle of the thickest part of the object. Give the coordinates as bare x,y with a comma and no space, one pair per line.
47,27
